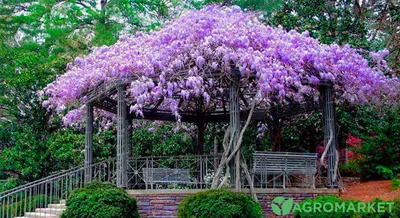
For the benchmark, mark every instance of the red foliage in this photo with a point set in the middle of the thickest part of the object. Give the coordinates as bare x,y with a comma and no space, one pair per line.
354,143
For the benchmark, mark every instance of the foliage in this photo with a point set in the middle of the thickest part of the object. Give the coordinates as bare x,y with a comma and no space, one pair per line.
267,7
320,18
354,146
367,25
37,40
30,204
208,49
395,182
395,212
379,154
219,203
100,200
380,150
322,214
301,133
350,169
384,172
8,184
46,148
160,139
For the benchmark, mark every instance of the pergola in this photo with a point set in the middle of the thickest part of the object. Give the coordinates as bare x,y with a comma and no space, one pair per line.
112,99
218,64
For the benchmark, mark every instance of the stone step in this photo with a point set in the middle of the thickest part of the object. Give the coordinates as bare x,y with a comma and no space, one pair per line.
56,211
40,215
63,202
61,206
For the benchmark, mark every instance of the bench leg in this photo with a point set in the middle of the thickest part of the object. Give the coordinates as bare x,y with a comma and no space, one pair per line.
273,181
284,181
264,179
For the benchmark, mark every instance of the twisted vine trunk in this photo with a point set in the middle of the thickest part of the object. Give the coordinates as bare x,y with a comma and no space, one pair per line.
323,156
240,162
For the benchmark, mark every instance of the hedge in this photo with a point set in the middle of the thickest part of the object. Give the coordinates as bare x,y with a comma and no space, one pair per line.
218,203
394,213
100,200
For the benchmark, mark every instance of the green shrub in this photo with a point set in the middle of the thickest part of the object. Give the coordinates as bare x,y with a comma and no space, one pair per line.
384,172
396,182
100,200
219,203
394,213
323,200
350,169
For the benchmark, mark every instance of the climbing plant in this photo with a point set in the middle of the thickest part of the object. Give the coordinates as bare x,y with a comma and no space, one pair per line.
189,63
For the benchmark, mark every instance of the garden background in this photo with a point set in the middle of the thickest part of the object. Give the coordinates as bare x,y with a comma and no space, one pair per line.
39,38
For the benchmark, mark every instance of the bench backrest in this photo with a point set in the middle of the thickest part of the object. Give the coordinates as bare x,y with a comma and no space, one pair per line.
289,162
166,175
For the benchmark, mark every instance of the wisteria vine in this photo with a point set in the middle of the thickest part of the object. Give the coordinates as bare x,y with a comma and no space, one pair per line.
176,62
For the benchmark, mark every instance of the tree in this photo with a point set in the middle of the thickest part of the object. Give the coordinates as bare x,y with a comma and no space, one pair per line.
369,25
37,40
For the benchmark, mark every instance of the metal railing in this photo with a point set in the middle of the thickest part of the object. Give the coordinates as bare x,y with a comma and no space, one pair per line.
172,172
36,196
154,172
269,170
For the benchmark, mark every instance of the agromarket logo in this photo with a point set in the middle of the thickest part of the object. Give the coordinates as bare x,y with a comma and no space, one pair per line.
282,207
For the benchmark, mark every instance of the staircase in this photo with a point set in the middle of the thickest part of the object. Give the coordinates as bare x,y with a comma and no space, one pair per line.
51,211
42,198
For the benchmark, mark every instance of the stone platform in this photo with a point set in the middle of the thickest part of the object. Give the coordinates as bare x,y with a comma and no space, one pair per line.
164,203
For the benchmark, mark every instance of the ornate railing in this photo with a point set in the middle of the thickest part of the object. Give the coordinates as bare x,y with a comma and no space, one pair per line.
37,195
172,172
157,172
268,169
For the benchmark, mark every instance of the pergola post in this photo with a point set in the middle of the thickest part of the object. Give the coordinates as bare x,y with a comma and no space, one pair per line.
329,116
234,119
89,143
129,149
122,136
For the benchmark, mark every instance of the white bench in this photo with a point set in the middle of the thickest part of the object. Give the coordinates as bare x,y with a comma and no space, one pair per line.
281,165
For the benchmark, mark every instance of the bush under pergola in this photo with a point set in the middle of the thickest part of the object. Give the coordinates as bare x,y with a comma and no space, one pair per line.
219,64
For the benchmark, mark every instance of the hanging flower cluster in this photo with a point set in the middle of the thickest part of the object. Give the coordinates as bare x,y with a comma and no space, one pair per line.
180,62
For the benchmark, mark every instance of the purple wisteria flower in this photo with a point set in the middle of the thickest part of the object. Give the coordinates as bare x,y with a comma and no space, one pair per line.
175,63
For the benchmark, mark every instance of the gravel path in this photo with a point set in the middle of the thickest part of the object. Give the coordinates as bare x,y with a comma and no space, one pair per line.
367,191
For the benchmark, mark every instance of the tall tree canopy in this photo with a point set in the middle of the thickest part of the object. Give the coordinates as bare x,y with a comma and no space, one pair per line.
363,24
